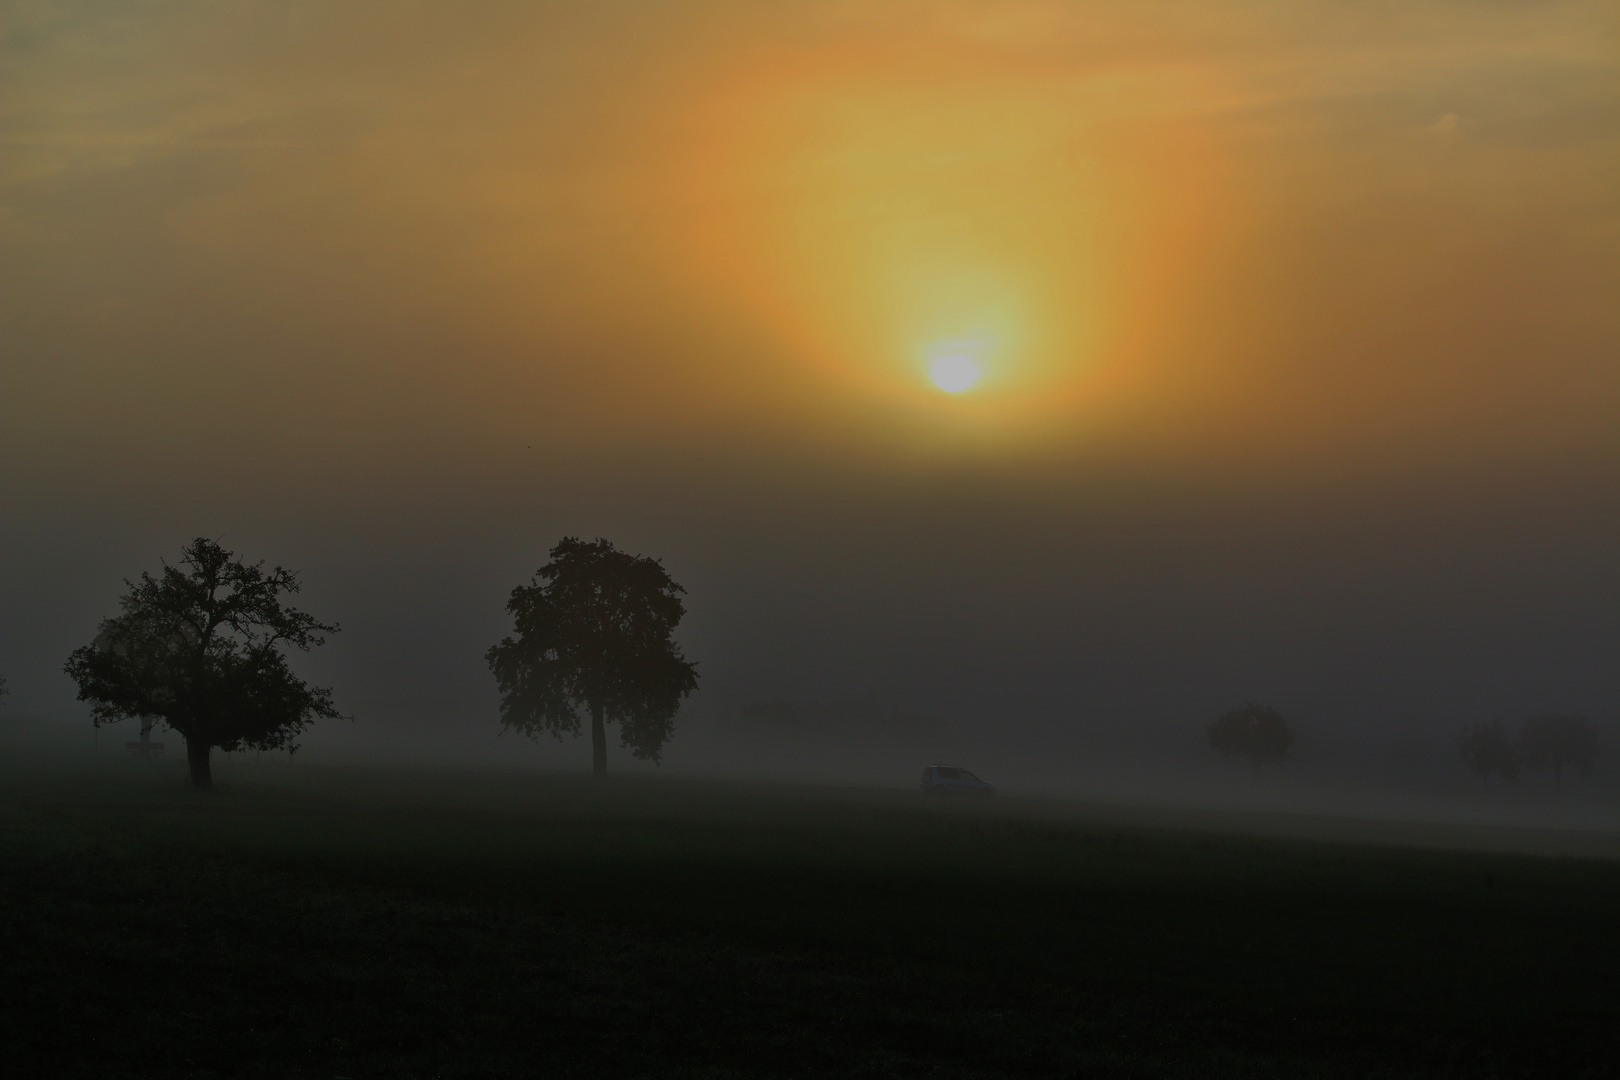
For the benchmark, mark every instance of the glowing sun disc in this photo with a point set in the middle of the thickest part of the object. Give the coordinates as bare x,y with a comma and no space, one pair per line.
954,372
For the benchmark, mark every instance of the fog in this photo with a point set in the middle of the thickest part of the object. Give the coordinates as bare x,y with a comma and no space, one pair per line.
1304,395
1073,642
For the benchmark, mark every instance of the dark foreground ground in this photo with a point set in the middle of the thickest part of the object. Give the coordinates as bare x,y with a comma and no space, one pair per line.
323,923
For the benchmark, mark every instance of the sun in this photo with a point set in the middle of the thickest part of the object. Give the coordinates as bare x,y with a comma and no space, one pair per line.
954,372
956,365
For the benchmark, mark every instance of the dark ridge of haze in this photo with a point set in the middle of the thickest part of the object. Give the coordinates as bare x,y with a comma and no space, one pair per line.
1049,631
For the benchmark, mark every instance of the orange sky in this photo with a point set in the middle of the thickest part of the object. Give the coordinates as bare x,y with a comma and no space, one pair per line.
1187,234
1296,326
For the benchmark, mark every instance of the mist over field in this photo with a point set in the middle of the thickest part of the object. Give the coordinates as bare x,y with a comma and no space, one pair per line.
1295,346
1073,641
1076,647
1294,340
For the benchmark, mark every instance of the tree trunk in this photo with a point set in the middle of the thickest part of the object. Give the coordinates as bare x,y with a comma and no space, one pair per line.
598,741
197,757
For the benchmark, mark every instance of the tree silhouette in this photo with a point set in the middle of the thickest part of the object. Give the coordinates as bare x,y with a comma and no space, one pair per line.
201,648
1255,732
1485,749
1553,741
595,635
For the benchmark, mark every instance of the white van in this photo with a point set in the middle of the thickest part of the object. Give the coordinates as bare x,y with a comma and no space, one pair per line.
949,780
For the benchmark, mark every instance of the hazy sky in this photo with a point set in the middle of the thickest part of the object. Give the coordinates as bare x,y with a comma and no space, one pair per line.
1295,326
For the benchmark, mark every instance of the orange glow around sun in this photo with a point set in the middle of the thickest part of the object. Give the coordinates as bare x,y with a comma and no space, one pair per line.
863,232
990,233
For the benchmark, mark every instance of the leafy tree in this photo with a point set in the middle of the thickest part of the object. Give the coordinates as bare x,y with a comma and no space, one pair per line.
593,633
201,648
1485,749
1255,732
1554,741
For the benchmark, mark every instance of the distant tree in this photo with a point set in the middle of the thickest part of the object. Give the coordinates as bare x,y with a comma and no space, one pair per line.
594,632
1485,749
1255,732
201,648
1553,741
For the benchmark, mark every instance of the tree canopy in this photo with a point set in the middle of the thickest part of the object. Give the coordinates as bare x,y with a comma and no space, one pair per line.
1255,732
201,647
594,632
1554,741
1486,749
1547,741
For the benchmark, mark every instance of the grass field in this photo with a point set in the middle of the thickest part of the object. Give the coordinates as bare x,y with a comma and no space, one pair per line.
340,923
